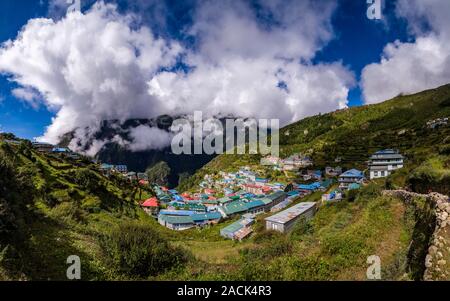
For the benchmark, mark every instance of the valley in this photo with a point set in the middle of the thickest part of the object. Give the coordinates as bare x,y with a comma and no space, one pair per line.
52,206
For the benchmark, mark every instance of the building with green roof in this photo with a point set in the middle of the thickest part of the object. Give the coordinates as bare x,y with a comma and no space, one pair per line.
176,222
234,208
237,230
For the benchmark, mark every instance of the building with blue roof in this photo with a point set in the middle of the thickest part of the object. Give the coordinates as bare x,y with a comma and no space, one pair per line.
349,177
177,212
309,187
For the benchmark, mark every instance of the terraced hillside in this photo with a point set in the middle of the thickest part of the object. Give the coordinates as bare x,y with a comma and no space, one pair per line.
52,208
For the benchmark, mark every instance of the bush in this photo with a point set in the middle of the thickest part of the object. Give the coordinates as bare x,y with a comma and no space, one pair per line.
57,197
266,236
138,251
88,179
370,191
91,204
302,227
351,195
68,211
271,244
444,149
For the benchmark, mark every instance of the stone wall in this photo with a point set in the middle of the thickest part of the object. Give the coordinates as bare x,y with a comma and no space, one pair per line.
437,260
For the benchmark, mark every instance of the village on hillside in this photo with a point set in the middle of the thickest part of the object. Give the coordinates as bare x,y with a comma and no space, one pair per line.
242,195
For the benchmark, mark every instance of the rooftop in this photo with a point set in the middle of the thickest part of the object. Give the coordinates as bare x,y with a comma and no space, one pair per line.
354,173
152,202
387,154
206,216
235,207
176,219
276,195
236,226
290,213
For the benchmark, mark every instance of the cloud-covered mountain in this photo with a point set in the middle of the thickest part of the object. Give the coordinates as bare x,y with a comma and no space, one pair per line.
105,65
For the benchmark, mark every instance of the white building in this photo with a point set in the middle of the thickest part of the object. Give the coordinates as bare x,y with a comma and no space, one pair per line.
270,161
382,163
285,220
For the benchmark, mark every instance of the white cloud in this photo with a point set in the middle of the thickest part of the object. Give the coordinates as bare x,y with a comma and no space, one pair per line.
144,137
416,66
101,65
29,95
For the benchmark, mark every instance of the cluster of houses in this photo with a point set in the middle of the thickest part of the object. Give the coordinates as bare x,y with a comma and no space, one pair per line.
292,163
435,123
239,194
108,169
53,149
244,195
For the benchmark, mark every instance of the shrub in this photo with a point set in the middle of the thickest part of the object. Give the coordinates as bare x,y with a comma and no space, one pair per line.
301,228
56,197
266,236
444,149
91,204
138,251
88,179
68,211
370,191
351,195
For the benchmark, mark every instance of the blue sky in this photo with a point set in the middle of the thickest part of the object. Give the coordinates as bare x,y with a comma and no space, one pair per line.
358,42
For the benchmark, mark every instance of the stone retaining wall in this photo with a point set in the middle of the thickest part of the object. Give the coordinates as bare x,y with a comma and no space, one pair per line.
437,260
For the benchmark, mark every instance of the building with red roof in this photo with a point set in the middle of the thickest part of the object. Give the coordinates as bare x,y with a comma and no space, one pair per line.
143,182
151,206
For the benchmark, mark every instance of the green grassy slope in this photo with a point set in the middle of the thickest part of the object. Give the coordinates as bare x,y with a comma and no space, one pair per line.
51,208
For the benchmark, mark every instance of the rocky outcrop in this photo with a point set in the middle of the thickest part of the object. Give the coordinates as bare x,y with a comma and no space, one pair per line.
437,260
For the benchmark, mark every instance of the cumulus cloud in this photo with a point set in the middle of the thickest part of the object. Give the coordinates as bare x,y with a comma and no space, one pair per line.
241,65
414,66
103,65
88,67
29,95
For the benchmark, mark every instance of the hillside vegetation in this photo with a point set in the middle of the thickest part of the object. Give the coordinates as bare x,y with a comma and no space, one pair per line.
51,208
353,134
